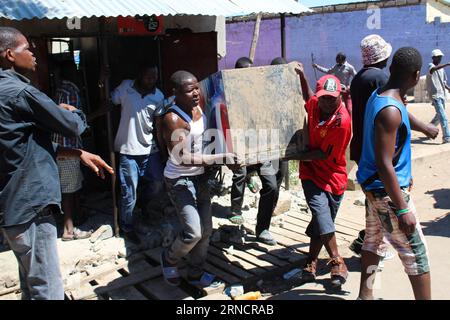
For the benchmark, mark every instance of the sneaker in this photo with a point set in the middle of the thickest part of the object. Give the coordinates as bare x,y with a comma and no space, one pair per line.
389,255
266,237
252,184
339,271
236,218
445,140
309,271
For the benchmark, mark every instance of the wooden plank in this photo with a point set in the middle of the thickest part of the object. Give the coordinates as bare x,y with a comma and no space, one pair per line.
159,289
84,292
115,281
339,220
11,296
131,279
303,223
278,251
267,257
340,239
126,293
228,267
302,247
75,281
297,236
137,267
236,261
9,290
228,278
246,256
87,291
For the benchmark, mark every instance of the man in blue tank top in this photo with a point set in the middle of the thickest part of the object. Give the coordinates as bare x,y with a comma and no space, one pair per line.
384,172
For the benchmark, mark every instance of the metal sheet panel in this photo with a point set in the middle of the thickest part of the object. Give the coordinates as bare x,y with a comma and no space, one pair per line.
59,9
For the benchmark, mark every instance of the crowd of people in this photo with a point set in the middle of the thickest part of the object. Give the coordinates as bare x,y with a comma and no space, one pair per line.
160,143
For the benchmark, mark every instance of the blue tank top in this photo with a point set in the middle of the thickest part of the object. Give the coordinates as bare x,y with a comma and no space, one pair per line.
367,169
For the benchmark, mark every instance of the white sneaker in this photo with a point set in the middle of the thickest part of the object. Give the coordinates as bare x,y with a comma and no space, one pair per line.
389,255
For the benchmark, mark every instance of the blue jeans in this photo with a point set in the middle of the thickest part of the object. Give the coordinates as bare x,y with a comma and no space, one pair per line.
439,105
192,200
34,245
131,168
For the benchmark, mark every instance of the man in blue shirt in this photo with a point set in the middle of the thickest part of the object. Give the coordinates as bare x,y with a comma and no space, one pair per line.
384,173
29,183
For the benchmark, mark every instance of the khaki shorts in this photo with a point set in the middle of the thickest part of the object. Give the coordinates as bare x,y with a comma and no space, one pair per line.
382,221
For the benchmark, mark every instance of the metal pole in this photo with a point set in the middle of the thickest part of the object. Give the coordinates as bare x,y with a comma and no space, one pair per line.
104,84
283,54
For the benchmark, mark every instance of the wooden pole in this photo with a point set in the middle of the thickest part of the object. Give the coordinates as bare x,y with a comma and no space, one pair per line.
104,85
283,54
255,37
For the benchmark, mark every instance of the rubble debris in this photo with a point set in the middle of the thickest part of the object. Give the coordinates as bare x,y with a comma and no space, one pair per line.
102,233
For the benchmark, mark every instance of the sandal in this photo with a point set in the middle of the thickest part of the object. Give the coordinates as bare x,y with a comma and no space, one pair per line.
236,219
170,273
252,185
206,280
77,234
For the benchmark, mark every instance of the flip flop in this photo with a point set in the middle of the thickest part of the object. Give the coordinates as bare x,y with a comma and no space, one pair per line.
206,280
77,235
171,274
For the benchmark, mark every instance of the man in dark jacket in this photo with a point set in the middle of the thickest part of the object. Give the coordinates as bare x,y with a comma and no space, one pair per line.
29,183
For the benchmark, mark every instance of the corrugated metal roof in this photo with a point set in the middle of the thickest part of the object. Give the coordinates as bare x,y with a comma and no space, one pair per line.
29,9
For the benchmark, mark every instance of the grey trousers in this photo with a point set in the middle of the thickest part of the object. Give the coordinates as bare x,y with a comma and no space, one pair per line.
192,200
34,245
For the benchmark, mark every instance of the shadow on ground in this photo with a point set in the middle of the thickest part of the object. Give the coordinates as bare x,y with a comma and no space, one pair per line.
439,227
442,198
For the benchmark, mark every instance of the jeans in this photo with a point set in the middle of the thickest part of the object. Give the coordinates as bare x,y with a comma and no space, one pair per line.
269,192
192,201
439,105
34,245
131,168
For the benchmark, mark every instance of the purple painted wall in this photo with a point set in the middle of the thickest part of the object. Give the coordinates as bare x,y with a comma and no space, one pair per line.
239,39
326,34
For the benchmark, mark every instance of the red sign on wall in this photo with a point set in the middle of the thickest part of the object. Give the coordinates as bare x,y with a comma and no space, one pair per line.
141,26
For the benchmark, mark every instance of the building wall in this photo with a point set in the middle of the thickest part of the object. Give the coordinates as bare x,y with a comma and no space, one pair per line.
239,38
436,8
325,34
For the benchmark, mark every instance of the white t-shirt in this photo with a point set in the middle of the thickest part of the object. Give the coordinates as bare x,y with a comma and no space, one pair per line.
436,82
134,136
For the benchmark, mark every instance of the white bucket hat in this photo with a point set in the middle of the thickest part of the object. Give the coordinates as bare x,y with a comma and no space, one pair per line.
374,49
437,53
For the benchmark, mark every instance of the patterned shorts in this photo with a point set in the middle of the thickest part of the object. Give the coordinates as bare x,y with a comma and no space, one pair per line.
70,174
381,220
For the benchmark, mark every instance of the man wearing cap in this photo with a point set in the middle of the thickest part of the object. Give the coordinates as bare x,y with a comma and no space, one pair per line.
323,170
436,86
375,55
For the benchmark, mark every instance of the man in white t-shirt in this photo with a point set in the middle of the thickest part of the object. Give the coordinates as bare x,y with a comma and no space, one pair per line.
436,86
139,155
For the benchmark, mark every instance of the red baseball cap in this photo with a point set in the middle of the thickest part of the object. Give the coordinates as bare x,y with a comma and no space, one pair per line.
328,85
